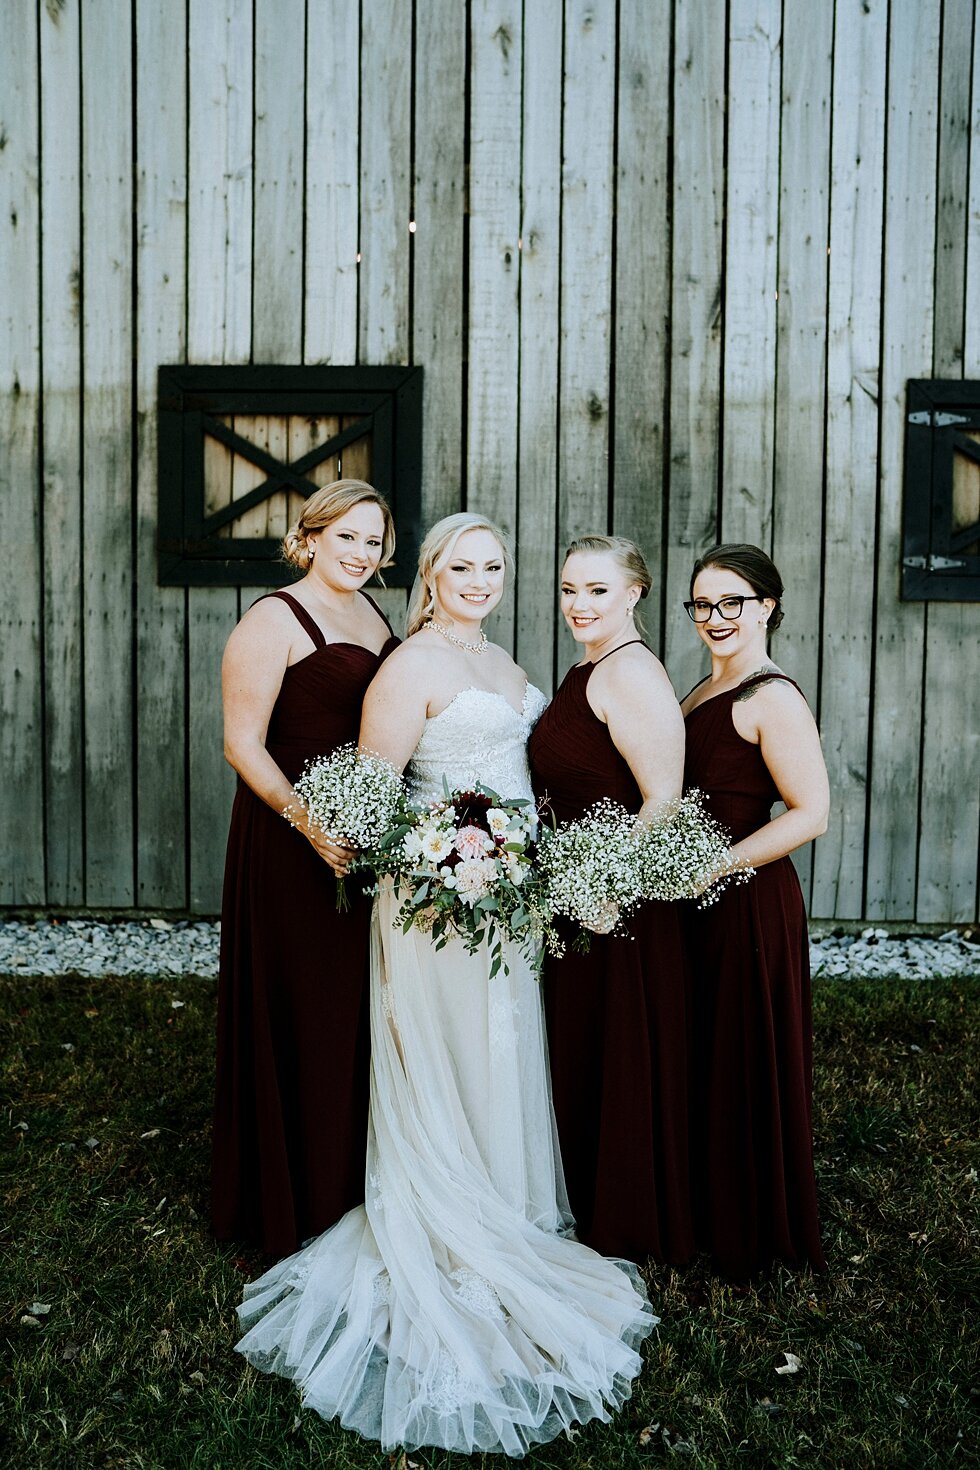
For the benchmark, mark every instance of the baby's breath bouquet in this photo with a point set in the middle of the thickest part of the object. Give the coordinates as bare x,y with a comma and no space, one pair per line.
595,869
681,849
589,871
463,867
356,798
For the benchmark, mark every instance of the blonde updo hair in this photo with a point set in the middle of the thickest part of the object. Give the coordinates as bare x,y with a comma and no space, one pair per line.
327,505
627,556
435,553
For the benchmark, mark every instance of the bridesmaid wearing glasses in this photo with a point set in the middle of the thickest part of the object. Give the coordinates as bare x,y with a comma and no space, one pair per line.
617,1016
752,742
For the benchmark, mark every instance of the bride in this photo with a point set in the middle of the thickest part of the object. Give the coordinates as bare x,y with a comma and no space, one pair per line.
452,1309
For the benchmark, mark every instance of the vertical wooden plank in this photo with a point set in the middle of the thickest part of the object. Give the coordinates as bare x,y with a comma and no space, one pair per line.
331,193
440,190
107,192
971,360
492,347
804,198
585,329
277,307
385,173
906,336
21,723
642,284
950,808
750,273
219,278
856,215
971,355
161,220
540,259
801,342
61,328
696,313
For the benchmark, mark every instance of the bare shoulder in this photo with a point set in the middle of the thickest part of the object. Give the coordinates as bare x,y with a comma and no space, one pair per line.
418,656
772,691
771,708
632,670
268,622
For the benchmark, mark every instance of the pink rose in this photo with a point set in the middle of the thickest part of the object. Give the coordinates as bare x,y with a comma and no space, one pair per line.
473,842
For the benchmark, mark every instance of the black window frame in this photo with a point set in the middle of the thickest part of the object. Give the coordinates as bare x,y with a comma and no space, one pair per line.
935,566
190,398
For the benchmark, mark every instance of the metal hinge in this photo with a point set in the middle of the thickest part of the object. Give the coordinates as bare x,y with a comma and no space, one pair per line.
933,564
938,420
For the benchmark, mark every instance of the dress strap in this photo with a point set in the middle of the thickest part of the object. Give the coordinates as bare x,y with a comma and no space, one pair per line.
616,650
380,612
697,686
308,622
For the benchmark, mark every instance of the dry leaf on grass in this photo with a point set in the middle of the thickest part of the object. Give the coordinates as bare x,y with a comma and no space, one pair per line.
792,1364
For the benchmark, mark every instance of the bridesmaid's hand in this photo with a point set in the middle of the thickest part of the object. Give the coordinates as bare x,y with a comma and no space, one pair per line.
607,919
335,854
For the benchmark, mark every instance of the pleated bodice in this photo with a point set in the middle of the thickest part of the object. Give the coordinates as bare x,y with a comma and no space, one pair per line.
574,762
728,769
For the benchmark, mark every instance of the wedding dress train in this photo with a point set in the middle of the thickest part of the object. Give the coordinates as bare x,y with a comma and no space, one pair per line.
452,1309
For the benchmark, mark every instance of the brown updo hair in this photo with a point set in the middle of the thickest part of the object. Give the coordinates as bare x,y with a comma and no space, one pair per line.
750,563
327,505
627,556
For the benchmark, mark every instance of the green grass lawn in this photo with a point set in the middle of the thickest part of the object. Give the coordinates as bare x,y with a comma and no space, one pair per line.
106,1090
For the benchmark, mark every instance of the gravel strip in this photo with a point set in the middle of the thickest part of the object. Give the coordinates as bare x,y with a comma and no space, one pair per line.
159,948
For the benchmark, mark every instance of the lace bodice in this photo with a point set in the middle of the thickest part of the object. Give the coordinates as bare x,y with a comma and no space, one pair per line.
478,738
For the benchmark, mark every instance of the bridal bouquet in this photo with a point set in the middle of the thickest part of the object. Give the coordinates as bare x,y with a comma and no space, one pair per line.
596,869
356,798
464,866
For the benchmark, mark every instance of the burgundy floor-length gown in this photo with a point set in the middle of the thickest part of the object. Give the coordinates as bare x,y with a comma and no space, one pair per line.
617,1022
290,1120
754,1191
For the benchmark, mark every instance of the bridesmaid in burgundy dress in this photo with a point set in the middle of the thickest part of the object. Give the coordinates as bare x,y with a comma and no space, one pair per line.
751,741
290,1120
617,1016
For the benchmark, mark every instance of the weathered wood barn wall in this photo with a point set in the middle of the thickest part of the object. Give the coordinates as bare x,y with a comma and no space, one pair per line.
667,264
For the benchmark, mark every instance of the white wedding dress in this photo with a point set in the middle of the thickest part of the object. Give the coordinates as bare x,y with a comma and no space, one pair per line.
451,1309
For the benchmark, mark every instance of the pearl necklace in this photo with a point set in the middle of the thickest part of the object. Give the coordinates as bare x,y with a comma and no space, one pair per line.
450,637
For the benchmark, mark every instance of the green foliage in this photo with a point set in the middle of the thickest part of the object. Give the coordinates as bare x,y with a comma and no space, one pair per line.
104,1205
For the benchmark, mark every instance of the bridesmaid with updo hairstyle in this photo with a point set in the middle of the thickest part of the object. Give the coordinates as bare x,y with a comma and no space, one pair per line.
617,1016
751,741
290,1119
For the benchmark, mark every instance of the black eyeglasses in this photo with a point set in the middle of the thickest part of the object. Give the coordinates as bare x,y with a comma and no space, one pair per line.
729,607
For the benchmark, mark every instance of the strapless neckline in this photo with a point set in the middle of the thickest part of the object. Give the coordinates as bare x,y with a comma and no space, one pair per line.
488,694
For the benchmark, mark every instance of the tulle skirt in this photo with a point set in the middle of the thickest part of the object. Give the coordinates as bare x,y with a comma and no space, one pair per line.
453,1309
